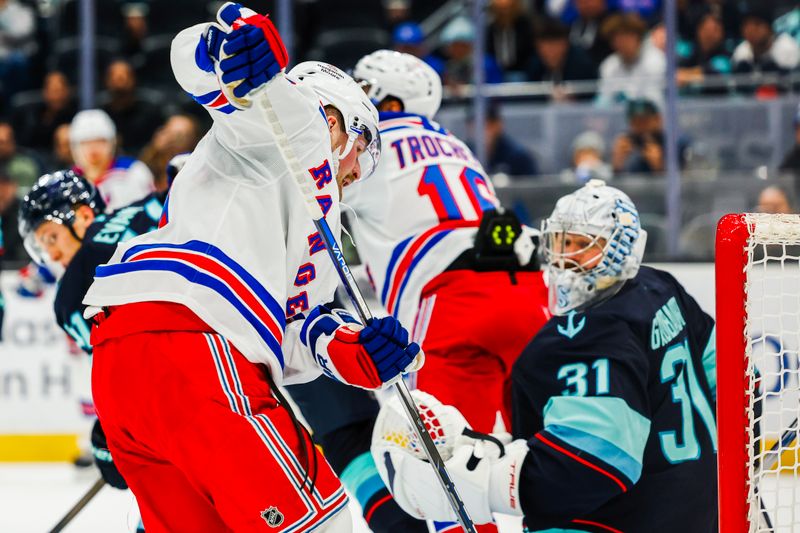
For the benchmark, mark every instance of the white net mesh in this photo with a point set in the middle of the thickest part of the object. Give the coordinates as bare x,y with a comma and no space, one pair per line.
773,338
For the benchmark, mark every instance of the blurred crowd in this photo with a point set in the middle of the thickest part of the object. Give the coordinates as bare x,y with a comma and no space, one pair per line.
605,51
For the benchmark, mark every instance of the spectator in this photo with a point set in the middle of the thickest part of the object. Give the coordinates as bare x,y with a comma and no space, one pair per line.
134,117
408,38
588,150
557,60
120,180
775,201
585,31
789,23
397,11
646,9
791,161
13,249
709,55
36,122
135,29
503,153
179,135
457,38
641,148
61,157
17,44
21,168
633,70
508,37
762,50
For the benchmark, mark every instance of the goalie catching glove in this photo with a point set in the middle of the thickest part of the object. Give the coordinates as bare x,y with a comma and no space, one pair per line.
484,468
369,357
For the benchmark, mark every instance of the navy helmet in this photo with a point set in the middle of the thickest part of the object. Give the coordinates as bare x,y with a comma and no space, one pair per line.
54,198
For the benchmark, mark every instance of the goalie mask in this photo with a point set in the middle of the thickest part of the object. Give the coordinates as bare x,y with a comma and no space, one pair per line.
593,243
336,88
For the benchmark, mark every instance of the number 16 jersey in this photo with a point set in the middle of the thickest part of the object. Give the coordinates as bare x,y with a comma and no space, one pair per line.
419,211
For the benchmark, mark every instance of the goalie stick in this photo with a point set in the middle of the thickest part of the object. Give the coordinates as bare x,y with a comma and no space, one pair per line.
306,186
78,507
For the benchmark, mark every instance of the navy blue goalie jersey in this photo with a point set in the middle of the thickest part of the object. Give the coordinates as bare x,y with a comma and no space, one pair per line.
98,246
618,406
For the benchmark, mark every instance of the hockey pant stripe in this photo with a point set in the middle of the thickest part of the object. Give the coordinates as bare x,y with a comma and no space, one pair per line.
319,510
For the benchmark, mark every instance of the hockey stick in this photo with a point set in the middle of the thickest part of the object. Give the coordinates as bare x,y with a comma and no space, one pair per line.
771,459
78,507
307,187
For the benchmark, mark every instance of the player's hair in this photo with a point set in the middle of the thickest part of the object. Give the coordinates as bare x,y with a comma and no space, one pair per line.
390,99
331,111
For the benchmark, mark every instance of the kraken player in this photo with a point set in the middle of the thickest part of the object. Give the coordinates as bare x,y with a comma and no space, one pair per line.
62,221
613,400
201,320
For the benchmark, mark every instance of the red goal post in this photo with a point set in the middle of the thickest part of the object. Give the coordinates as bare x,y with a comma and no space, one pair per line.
758,391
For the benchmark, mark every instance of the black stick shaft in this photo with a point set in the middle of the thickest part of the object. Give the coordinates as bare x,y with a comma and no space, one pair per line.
78,507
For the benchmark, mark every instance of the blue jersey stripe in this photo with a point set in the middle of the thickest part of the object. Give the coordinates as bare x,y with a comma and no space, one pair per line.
209,249
599,448
606,418
407,276
398,250
362,479
201,278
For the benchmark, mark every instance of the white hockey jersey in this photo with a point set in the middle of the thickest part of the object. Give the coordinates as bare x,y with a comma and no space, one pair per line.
236,244
126,181
419,211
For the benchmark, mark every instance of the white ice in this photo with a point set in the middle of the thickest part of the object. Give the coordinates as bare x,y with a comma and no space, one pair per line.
34,497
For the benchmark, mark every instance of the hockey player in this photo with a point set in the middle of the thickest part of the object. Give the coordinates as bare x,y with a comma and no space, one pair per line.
202,319
62,221
438,247
121,180
613,400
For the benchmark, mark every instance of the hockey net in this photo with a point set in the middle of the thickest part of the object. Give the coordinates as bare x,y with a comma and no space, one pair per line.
758,403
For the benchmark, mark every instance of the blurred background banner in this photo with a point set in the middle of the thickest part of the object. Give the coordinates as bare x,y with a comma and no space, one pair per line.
39,373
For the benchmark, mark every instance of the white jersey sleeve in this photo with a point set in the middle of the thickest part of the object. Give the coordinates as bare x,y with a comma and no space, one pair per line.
237,245
418,212
245,131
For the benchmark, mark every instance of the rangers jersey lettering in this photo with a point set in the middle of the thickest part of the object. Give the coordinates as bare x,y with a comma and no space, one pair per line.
236,244
419,211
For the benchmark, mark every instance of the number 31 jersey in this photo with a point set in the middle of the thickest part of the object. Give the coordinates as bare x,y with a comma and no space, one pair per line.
419,211
618,406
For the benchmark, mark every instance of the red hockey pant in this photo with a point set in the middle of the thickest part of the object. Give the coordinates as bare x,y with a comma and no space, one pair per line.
472,327
195,430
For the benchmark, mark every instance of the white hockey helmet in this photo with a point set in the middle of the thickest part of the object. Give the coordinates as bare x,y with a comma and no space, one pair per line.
403,76
338,89
609,222
91,124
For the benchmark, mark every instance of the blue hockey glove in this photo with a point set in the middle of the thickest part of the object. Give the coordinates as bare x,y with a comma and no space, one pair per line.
368,357
103,460
254,49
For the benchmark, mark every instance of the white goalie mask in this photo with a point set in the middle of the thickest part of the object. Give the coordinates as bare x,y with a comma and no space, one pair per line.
336,88
596,218
402,76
